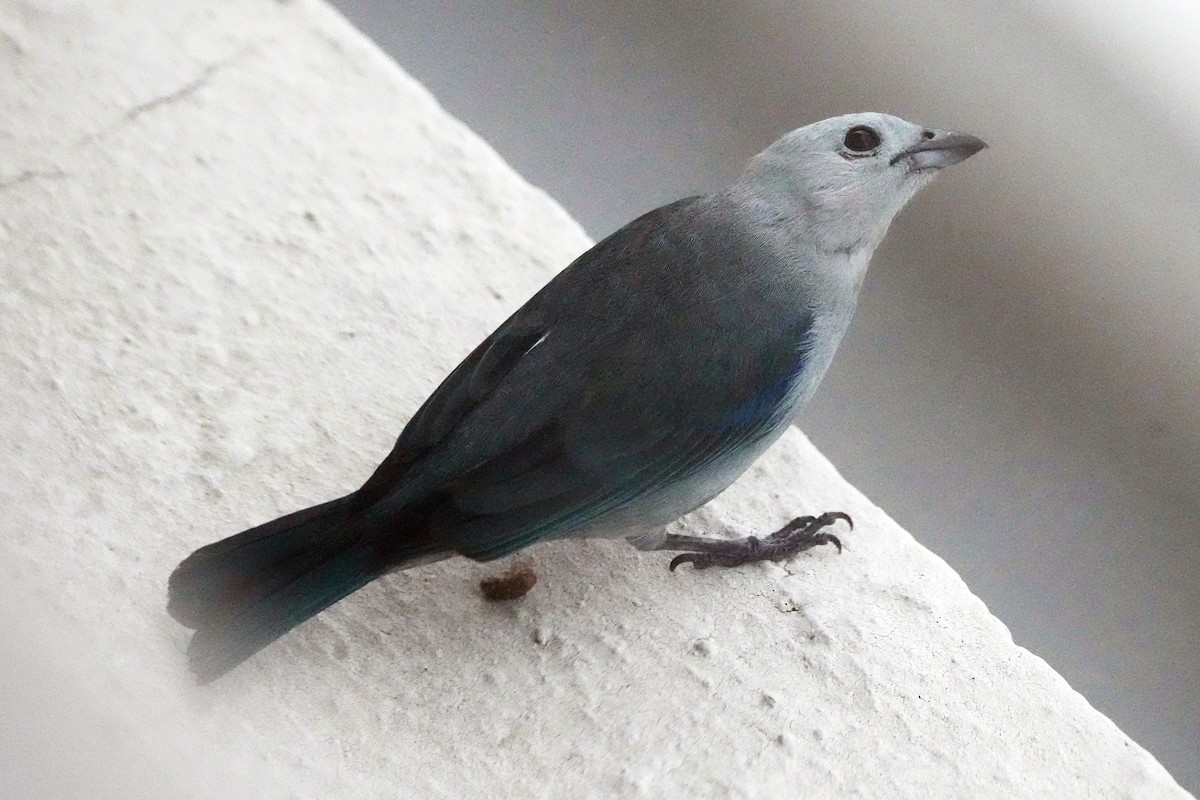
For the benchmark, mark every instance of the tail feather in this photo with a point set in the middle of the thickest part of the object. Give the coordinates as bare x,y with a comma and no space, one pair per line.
208,579
229,639
242,593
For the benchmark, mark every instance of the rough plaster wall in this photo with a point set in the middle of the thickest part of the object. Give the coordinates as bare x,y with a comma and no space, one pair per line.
238,248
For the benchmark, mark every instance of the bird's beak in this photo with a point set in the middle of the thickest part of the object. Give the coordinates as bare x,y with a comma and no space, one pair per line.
942,149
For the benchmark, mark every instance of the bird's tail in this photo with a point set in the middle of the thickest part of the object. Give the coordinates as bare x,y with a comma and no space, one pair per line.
242,593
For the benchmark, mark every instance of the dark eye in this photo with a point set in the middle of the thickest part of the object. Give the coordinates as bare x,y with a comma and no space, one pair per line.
861,139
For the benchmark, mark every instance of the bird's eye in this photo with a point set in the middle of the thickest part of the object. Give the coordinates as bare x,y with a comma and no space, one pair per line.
861,139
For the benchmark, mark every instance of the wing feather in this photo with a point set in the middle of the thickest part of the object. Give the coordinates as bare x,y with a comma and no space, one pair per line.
635,369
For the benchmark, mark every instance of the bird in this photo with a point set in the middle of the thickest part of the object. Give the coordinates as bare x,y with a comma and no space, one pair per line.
634,387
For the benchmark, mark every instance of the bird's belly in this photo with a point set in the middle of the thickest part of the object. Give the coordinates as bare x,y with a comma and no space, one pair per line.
653,510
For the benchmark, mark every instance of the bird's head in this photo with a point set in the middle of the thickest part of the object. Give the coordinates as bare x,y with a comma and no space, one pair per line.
850,175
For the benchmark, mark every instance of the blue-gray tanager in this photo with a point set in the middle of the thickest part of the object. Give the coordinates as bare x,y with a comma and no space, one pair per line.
634,387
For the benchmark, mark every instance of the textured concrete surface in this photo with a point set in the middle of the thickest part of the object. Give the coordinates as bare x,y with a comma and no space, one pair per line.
238,247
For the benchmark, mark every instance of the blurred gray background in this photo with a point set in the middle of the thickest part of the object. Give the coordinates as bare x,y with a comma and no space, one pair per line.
1019,388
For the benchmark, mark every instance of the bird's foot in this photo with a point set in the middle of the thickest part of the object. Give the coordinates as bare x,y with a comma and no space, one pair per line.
802,533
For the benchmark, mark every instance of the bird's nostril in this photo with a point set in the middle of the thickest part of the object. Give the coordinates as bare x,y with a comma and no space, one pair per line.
927,134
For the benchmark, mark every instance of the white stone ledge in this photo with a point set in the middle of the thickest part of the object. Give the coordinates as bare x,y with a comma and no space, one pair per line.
239,246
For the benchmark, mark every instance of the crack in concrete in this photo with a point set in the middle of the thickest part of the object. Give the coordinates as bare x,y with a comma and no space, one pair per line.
25,176
183,92
188,89
12,41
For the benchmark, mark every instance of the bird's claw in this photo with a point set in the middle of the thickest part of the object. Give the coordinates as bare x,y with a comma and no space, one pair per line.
802,533
831,516
697,560
741,552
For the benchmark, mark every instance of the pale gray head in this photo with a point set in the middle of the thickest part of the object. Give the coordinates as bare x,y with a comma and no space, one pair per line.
849,176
